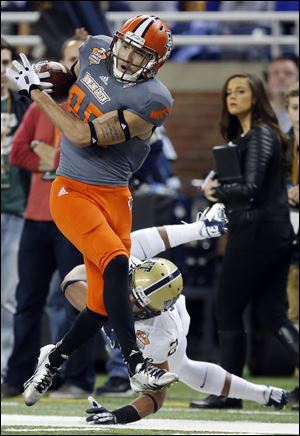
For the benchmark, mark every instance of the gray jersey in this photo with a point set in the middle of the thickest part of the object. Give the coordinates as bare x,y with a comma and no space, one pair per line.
96,92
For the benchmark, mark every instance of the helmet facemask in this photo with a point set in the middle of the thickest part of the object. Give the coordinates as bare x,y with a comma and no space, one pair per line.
145,68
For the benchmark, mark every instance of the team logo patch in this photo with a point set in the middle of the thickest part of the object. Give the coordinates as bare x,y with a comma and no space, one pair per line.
97,55
160,114
95,88
130,202
142,339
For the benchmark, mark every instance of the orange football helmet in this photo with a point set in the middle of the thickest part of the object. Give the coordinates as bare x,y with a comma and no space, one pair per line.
148,34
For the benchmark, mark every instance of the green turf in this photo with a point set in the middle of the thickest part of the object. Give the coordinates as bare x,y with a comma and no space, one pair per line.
176,407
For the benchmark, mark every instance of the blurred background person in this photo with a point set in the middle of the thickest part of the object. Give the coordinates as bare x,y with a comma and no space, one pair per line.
14,191
259,247
43,249
281,74
292,107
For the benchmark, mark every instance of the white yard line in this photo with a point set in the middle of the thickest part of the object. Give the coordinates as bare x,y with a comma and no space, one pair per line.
237,427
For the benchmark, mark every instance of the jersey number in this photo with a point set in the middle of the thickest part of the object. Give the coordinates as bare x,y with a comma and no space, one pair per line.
173,347
77,95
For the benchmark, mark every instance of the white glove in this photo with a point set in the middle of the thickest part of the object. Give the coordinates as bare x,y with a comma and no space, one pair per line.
99,415
47,86
25,77
214,220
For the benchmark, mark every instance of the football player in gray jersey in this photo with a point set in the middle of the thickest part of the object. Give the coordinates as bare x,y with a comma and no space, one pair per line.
113,107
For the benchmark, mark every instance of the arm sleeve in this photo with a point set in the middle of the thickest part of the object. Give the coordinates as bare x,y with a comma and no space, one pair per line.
146,243
259,152
21,155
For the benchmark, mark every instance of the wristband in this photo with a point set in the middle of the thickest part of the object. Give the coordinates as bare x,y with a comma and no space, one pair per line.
94,138
124,125
33,87
126,414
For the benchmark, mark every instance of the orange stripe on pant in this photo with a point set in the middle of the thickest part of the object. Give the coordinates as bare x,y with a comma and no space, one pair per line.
97,220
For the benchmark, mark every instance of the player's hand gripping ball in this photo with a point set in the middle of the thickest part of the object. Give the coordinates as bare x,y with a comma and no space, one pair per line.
58,75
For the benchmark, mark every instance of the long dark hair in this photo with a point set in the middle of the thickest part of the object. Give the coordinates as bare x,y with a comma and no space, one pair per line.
262,114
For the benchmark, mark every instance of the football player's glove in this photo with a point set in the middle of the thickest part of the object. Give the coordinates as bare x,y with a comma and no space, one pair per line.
47,86
99,415
215,220
25,77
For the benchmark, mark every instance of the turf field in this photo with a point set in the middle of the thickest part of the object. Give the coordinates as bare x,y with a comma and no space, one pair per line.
66,417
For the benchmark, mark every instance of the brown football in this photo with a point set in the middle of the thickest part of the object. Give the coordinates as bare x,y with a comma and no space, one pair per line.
61,79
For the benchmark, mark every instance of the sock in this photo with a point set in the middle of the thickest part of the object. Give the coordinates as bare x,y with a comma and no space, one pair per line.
182,233
118,306
245,390
85,326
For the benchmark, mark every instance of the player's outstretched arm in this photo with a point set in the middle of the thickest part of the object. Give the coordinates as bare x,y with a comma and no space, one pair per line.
111,128
146,404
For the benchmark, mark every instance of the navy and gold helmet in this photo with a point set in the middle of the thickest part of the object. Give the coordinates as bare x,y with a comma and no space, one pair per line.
156,285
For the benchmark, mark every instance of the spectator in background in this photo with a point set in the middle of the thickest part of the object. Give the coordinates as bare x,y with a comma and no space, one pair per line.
259,247
14,190
156,173
144,6
292,107
196,27
245,28
282,73
36,148
59,19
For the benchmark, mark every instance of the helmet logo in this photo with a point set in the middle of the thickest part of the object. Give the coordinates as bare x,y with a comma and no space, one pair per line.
147,265
169,43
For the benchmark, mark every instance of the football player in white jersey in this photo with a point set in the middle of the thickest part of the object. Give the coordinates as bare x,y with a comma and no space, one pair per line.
162,322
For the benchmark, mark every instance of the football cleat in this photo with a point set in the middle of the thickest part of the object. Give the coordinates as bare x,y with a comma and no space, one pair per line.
150,378
277,398
41,380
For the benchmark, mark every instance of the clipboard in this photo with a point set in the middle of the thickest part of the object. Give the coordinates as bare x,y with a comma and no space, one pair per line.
228,163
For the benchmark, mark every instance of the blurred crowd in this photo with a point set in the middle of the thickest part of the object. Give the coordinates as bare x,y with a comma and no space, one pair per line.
58,19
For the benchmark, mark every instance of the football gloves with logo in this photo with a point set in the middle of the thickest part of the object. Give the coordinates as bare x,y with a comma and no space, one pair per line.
99,415
214,220
25,76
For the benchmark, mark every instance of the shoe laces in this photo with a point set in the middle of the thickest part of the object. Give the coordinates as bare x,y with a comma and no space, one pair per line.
152,370
46,379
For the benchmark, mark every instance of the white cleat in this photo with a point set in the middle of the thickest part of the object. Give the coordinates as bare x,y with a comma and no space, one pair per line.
150,378
41,380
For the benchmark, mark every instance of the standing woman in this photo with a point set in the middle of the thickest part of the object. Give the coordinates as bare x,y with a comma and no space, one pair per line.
258,253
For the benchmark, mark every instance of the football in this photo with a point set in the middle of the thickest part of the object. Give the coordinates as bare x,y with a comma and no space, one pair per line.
60,77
